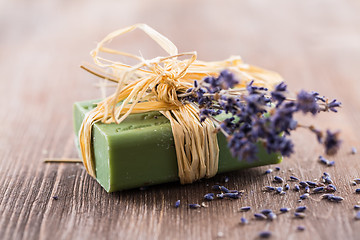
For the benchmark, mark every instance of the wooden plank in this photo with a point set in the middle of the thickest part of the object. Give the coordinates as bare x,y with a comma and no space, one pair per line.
314,45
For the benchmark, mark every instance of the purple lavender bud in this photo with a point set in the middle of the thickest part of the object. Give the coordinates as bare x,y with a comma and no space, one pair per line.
327,196
306,102
335,198
278,179
353,150
331,188
284,210
300,209
194,206
357,180
265,234
209,196
266,211
311,184
177,204
259,216
332,142
279,189
304,196
272,216
245,209
300,228
299,215
292,178
357,216
224,189
318,189
243,221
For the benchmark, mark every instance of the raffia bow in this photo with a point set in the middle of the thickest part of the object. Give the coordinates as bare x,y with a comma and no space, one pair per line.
154,85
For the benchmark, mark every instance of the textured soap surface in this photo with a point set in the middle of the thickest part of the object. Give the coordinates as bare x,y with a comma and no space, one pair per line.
140,151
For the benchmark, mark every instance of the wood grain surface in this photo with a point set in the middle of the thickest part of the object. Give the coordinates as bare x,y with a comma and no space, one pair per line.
315,45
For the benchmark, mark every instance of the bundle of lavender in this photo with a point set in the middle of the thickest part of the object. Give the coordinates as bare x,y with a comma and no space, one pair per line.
259,115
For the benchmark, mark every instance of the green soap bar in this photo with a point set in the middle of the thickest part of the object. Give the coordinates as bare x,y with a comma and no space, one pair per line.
140,151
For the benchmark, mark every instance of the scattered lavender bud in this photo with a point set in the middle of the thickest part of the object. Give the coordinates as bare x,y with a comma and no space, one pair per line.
353,183
356,207
272,216
300,209
303,184
353,150
277,168
357,216
332,142
300,228
293,178
357,180
327,196
307,189
326,174
278,179
318,189
259,216
209,196
245,209
226,179
331,188
232,195
224,189
311,183
266,211
299,215
279,189
336,198
357,190
244,221
282,193
286,187
304,196
55,197
269,188
194,206
323,160
297,188
284,210
268,171
328,180
177,203
331,163
265,234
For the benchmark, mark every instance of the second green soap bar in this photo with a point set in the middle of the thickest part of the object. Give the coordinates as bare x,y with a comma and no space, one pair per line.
140,151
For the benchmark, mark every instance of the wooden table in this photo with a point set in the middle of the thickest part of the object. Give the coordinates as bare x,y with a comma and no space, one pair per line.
313,44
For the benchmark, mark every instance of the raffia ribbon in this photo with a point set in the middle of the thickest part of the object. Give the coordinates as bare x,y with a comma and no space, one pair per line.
154,85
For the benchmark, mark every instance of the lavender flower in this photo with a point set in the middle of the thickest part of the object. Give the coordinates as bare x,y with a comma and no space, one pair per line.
332,142
254,119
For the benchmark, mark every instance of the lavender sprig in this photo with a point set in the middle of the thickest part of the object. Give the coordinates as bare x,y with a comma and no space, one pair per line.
258,116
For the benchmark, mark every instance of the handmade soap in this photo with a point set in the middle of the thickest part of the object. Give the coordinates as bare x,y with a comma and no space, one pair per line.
140,151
